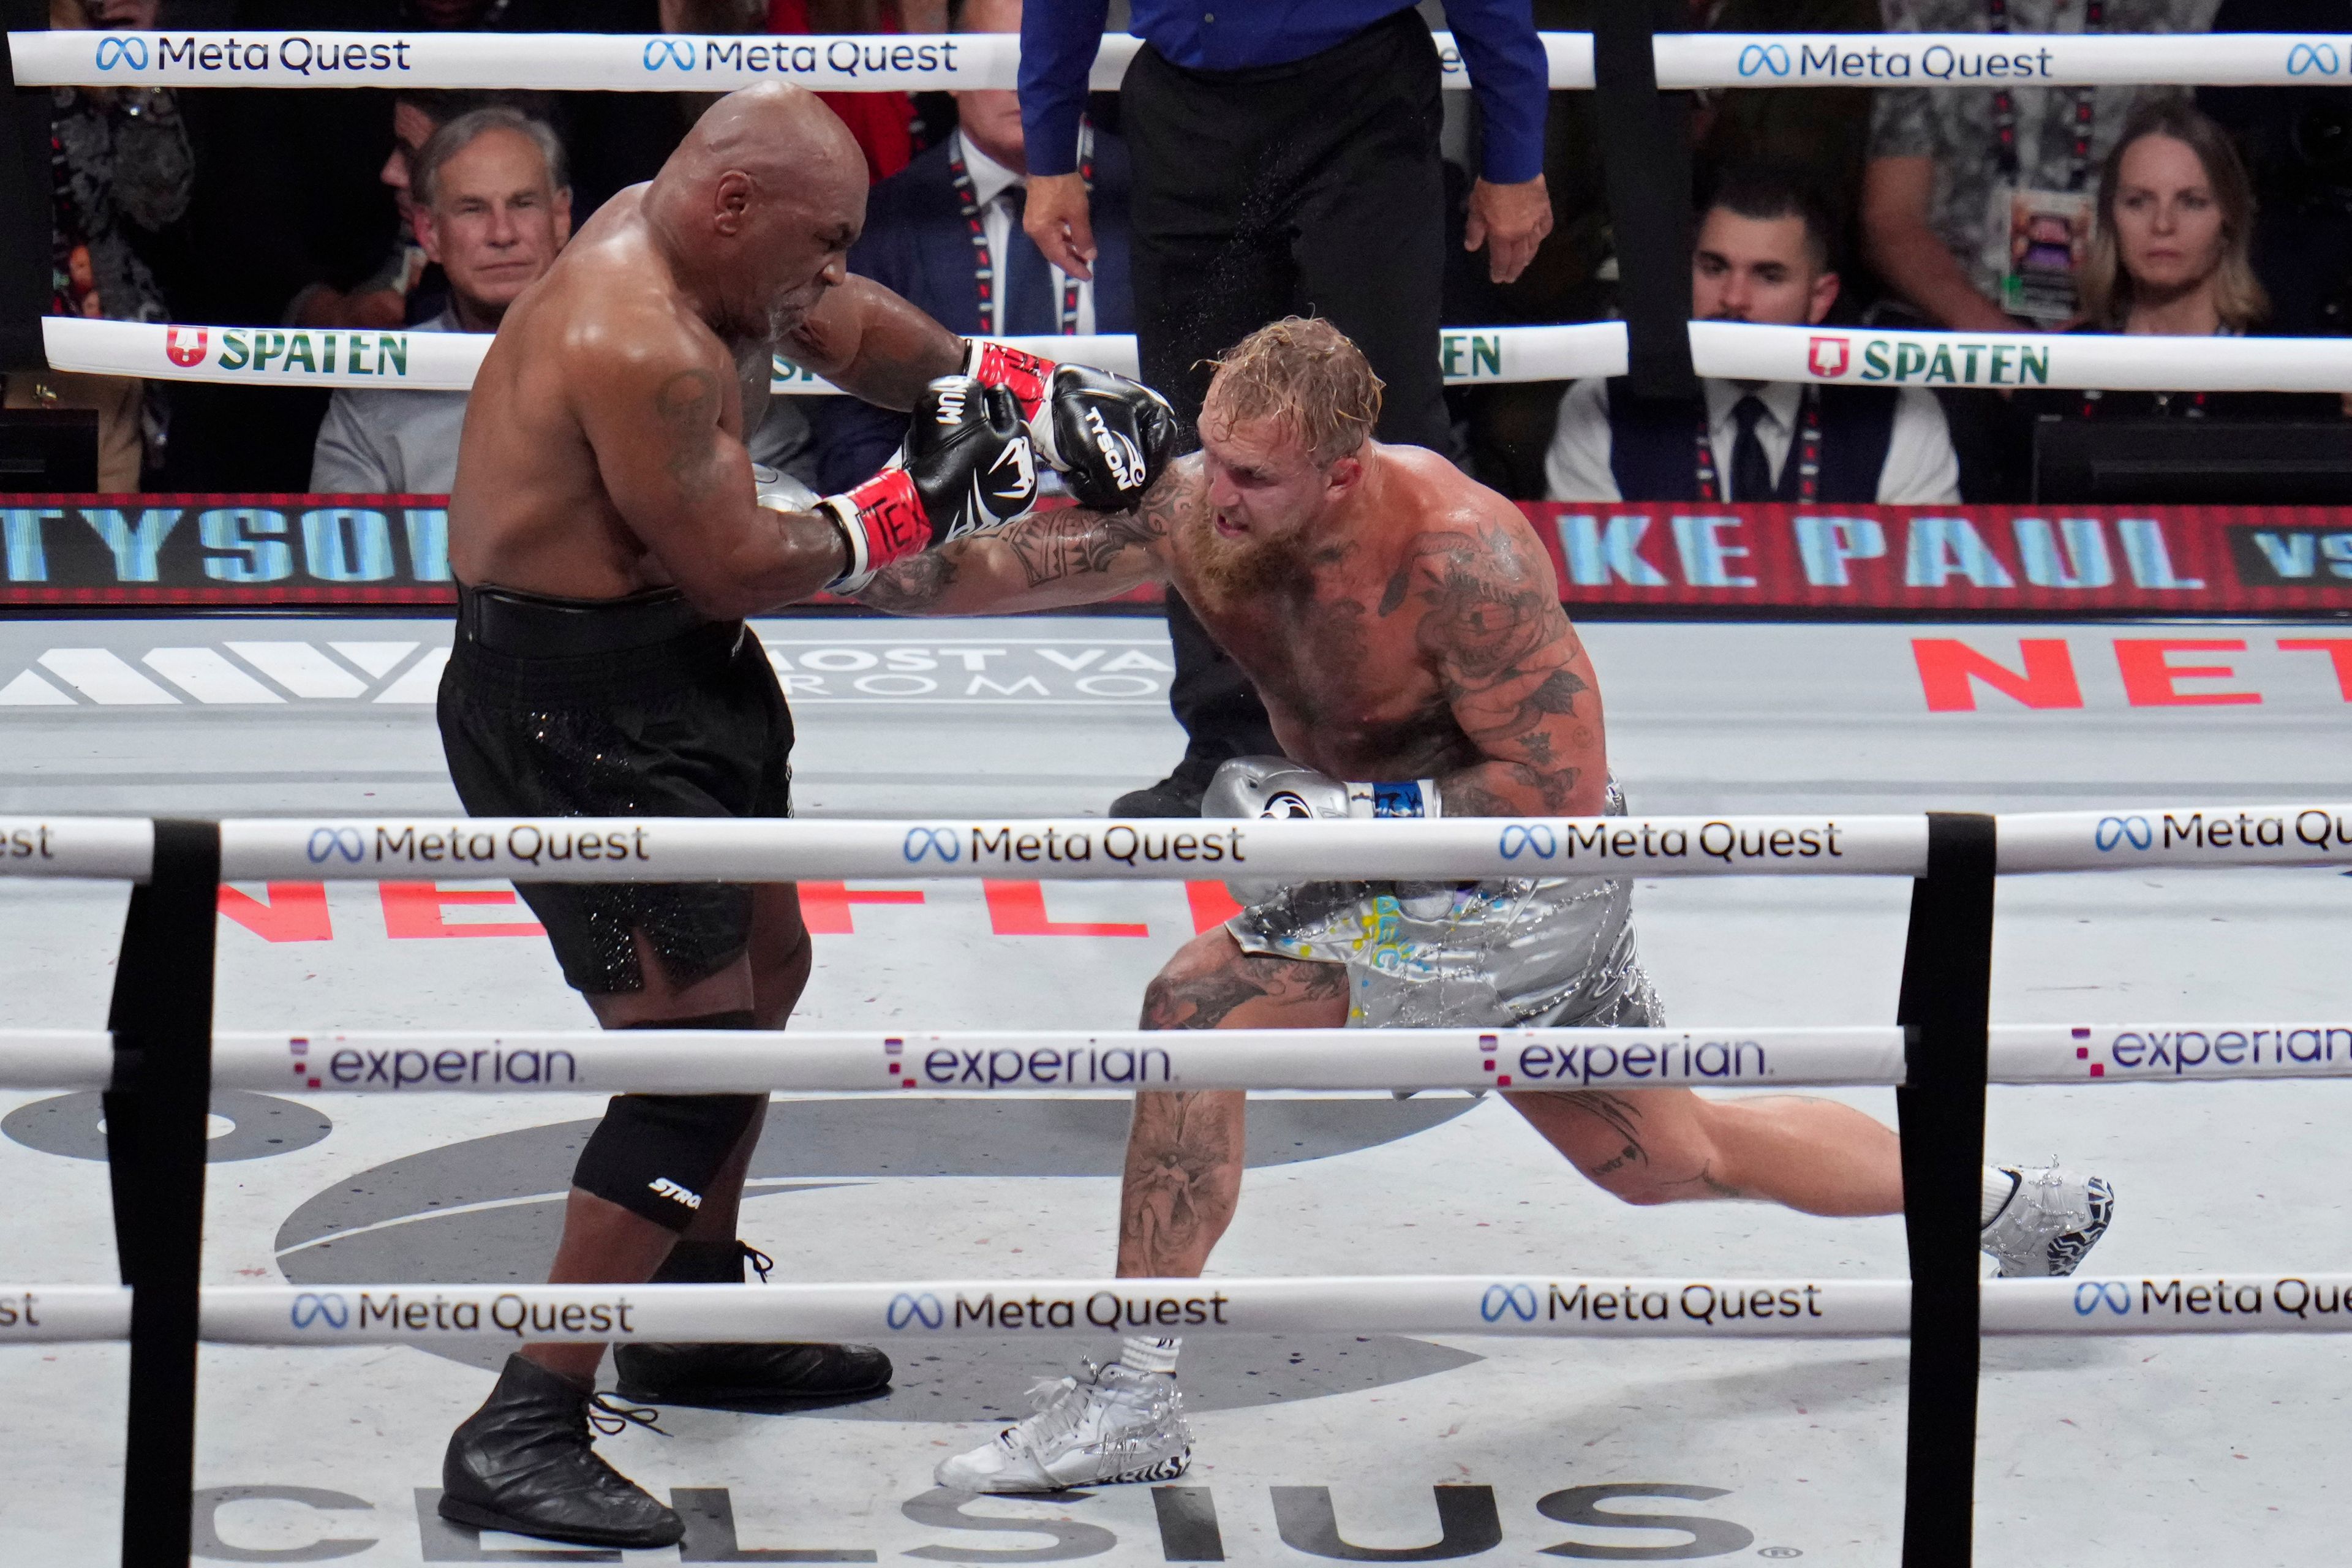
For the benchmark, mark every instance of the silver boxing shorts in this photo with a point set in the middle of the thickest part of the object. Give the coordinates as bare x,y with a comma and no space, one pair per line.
1550,949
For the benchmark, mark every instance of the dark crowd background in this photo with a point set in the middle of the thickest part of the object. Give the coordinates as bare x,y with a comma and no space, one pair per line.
280,203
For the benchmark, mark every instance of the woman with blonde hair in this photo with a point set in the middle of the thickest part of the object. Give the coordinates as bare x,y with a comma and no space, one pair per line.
2169,257
2175,218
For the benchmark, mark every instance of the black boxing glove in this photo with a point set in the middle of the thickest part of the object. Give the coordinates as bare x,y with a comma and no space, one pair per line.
966,465
1109,436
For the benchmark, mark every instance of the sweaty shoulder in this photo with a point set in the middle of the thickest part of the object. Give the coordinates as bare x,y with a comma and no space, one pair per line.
612,320
1458,528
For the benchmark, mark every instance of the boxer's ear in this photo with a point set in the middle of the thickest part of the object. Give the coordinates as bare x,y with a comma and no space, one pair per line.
731,200
1342,476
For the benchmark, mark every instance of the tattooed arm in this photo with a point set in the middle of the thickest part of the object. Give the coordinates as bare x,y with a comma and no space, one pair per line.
873,345
1044,561
1511,668
665,421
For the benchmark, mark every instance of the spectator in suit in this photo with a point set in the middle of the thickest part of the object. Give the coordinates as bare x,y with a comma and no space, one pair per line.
945,232
1819,130
1763,254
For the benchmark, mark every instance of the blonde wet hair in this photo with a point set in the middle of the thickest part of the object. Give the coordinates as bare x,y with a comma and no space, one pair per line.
1303,373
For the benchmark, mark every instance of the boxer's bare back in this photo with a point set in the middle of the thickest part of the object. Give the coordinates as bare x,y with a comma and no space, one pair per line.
604,442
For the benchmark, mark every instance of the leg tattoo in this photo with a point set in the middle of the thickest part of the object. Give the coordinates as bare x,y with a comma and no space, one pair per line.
1182,1178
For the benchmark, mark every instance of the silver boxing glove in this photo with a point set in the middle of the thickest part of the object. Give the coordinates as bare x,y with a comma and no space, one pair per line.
1276,789
779,492
1279,789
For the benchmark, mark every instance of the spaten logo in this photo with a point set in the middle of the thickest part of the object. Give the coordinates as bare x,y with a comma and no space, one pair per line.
1767,57
940,841
313,1306
1520,839
127,51
1519,1300
660,52
906,1310
328,842
1829,356
2091,1292
180,351
2304,59
2114,830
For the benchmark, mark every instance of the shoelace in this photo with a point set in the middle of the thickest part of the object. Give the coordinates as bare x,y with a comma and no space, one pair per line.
760,1261
611,1419
1059,1402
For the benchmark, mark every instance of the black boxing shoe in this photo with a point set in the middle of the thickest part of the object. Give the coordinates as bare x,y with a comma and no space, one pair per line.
524,1463
727,1376
1178,795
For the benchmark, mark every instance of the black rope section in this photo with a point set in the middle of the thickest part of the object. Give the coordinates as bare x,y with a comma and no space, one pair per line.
1645,170
25,196
1944,1007
161,1015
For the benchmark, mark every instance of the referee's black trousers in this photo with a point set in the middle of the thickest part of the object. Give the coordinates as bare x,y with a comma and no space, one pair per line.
1312,188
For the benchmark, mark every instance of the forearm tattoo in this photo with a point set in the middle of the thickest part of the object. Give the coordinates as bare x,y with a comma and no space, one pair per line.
912,585
1052,545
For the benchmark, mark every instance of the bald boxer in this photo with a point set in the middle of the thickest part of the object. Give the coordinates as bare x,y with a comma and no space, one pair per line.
1405,628
608,535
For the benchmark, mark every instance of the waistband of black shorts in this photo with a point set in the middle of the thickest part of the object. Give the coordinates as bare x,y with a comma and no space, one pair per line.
535,646
537,625
1348,58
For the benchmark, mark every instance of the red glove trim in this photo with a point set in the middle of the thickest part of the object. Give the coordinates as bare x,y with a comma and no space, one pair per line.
891,514
1019,371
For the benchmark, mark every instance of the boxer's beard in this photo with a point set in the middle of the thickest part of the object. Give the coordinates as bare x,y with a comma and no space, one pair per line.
1234,571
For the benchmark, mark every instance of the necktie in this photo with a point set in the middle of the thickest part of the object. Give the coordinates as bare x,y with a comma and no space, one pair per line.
1028,281
1751,471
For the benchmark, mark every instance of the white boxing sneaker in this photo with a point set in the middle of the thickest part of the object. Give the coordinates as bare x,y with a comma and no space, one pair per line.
2050,1224
1114,1425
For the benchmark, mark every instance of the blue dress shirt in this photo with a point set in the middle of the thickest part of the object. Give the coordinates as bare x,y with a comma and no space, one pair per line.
1496,38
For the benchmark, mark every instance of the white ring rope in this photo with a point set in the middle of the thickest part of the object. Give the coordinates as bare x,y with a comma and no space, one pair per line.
962,61
589,849
675,848
1738,350
2256,1301
1051,1062
2129,837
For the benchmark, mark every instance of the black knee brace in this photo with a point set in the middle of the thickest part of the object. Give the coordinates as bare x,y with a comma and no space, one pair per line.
655,1154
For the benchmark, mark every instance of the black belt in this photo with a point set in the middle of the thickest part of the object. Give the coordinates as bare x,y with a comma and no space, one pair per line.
533,626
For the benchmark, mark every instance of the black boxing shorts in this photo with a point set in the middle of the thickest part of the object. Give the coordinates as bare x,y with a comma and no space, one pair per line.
636,707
